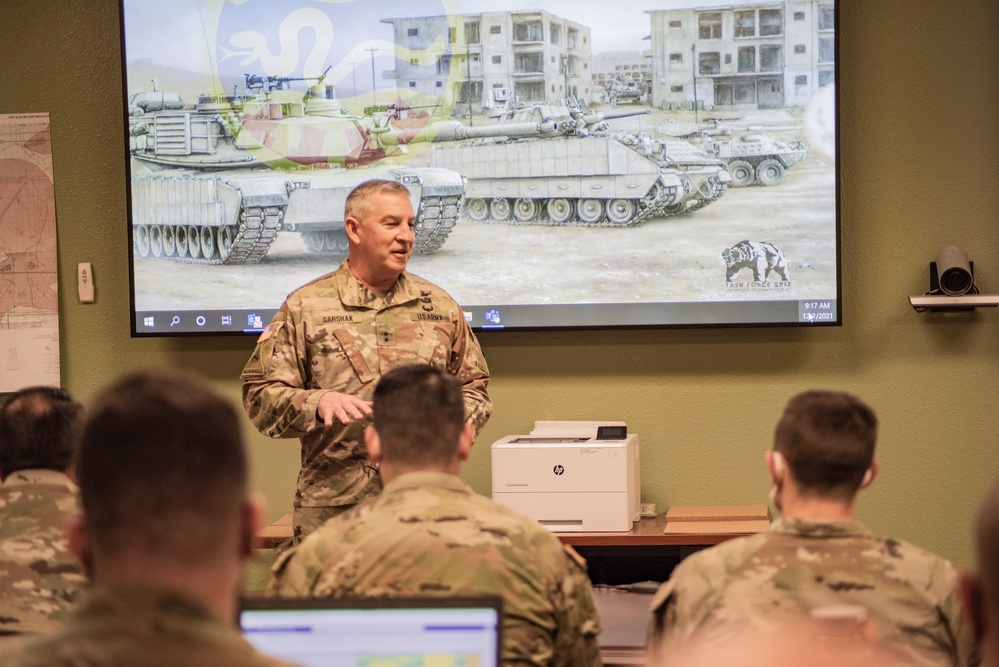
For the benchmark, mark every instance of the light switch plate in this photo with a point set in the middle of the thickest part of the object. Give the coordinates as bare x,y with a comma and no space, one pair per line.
85,282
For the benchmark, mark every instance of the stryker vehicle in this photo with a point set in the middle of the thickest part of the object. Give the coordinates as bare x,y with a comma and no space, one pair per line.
215,182
752,157
756,158
558,166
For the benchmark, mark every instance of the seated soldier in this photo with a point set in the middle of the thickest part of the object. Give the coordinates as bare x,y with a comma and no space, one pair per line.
428,533
166,527
39,576
980,590
801,646
817,554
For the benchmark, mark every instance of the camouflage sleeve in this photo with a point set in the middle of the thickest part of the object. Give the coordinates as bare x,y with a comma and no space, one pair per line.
469,365
293,575
966,650
659,607
952,613
681,604
663,624
579,619
40,579
274,381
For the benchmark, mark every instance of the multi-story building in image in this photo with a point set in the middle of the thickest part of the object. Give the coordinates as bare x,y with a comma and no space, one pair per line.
761,54
616,66
629,65
485,58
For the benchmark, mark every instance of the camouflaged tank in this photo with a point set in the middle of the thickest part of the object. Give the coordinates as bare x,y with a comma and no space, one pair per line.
570,171
214,183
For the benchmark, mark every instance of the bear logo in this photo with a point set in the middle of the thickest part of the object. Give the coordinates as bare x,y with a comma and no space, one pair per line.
761,257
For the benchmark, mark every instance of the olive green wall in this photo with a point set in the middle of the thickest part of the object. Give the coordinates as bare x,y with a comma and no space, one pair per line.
919,156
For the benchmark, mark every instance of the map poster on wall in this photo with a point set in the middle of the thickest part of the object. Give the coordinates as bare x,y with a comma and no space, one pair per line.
29,298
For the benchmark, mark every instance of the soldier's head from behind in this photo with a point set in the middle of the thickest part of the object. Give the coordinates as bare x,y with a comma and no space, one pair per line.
980,590
37,430
418,422
825,441
163,482
379,223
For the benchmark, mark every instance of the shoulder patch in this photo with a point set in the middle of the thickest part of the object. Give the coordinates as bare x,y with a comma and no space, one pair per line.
269,331
282,560
574,556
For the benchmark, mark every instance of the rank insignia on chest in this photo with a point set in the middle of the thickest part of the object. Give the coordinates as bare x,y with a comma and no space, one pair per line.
385,336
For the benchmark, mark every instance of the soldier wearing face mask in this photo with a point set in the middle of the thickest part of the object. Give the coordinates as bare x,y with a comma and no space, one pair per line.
817,555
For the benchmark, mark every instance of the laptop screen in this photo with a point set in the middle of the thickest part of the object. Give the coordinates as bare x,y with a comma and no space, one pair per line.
400,632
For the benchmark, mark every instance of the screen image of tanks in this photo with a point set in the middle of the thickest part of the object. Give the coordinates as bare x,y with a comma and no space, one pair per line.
560,164
751,156
217,179
211,187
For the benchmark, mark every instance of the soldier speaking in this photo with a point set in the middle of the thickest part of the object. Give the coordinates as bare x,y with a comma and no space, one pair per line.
314,369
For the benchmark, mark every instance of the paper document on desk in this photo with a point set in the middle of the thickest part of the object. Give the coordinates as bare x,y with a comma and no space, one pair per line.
718,513
715,527
717,519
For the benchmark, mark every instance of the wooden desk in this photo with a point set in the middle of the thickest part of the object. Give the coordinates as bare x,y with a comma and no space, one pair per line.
647,532
274,534
642,553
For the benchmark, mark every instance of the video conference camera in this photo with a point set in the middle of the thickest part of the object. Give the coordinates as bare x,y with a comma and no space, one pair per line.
952,272
952,285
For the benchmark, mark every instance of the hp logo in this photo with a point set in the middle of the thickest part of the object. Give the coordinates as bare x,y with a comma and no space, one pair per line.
558,470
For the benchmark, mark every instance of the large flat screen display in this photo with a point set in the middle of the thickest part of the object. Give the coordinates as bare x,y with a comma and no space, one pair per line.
572,163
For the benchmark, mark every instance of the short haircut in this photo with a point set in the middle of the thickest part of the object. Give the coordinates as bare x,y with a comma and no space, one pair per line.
987,546
38,430
419,413
827,439
358,200
161,466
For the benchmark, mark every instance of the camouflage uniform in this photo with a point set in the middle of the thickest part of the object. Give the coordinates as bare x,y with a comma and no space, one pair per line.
140,626
39,577
764,582
335,334
430,534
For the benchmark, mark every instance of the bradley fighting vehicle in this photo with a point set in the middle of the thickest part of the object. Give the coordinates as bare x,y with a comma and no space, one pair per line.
751,157
622,91
215,182
557,165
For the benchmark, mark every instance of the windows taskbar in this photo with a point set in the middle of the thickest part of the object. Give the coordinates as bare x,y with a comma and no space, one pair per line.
552,316
236,321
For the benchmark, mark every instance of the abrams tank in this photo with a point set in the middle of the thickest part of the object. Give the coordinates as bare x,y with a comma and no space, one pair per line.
558,165
215,182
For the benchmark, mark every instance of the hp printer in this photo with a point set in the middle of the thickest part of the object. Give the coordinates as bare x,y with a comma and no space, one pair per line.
570,475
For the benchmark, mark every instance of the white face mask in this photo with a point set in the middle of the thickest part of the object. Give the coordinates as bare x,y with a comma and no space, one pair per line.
779,467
